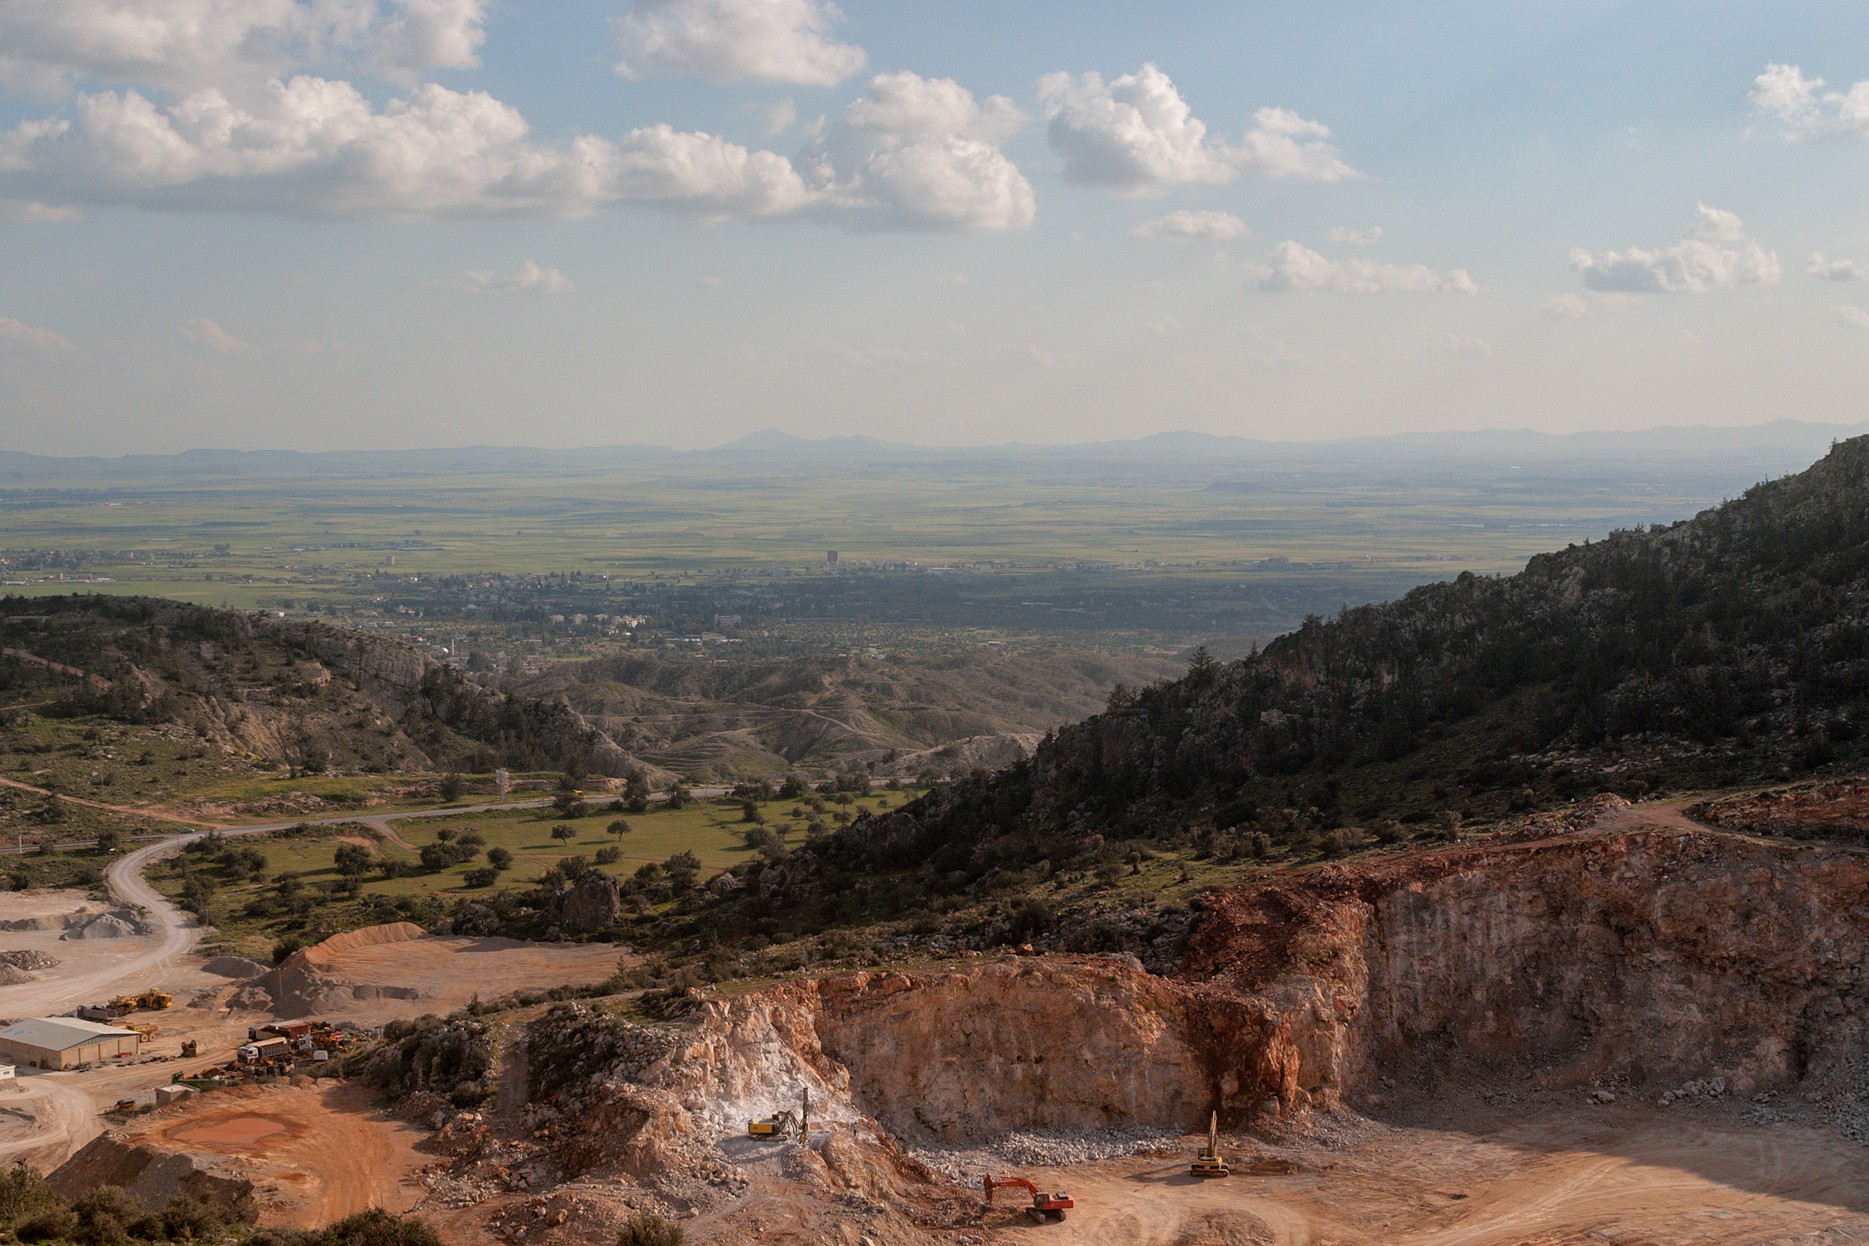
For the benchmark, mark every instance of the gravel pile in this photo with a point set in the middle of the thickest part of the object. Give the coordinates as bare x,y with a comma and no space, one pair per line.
28,960
1047,1149
1702,1088
1843,1103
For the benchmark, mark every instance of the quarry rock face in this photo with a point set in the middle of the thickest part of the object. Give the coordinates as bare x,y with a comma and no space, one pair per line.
1652,955
1021,1045
1657,955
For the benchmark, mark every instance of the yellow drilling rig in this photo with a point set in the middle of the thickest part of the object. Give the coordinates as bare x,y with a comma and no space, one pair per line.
785,1124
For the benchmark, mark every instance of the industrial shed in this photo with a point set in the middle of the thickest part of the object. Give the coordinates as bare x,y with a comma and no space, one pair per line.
64,1042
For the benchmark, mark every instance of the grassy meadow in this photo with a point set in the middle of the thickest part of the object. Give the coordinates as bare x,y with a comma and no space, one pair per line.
713,830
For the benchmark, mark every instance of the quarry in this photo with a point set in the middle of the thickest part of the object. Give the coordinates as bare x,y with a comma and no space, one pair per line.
1619,1023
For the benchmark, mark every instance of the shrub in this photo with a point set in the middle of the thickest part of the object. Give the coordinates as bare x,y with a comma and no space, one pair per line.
485,876
646,1229
609,856
55,1224
377,1227
23,1194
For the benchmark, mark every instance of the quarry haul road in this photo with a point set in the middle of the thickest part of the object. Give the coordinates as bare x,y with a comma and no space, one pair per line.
63,1118
1702,1177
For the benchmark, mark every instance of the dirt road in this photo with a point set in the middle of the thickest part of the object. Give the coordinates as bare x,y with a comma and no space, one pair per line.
61,1119
1625,1175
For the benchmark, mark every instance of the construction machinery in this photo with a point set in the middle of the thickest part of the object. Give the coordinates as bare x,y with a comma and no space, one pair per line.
191,1047
785,1124
1209,1163
778,1125
147,1030
1045,1205
152,999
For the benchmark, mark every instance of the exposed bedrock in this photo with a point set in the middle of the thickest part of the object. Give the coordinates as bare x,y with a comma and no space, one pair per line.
1653,954
1649,955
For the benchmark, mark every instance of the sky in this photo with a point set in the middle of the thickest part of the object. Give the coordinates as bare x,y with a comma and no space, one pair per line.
327,224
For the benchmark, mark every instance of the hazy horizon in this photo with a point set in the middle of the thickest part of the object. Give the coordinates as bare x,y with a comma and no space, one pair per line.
777,437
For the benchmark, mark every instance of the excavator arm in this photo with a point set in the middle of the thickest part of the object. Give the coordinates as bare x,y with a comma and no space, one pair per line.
1045,1205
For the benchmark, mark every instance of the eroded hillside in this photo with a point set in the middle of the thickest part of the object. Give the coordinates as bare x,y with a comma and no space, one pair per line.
909,716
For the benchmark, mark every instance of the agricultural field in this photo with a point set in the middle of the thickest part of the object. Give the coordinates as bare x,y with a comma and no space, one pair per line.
570,555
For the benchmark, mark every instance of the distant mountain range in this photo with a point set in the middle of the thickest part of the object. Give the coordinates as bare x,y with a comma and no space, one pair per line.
1769,449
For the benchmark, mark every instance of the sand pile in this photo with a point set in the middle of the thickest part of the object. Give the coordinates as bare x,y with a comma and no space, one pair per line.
238,967
13,975
307,982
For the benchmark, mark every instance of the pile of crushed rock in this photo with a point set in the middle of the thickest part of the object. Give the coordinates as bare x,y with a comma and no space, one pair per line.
963,1165
116,924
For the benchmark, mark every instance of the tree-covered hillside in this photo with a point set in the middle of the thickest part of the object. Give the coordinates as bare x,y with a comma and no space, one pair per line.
1731,647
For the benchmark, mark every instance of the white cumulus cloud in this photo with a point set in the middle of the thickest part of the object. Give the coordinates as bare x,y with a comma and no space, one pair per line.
1853,316
1715,254
528,278
736,41
1805,109
911,153
922,153
1292,266
312,146
1137,135
210,336
1825,269
31,336
1185,226
1283,144
185,44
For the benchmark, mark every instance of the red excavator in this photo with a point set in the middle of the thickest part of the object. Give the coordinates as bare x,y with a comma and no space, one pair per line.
1044,1206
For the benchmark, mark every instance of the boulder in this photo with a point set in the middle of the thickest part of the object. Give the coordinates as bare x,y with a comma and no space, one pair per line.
593,903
